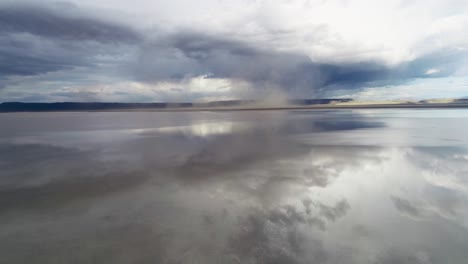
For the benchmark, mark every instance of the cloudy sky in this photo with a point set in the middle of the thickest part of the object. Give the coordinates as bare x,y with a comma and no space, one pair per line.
183,50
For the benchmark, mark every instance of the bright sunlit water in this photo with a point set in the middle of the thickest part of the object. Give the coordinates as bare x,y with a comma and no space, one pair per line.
369,186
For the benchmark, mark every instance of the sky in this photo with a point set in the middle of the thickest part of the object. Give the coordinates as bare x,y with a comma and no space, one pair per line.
182,50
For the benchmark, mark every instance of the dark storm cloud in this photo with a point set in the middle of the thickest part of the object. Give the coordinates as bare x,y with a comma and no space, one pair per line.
188,53
37,40
27,64
46,22
30,55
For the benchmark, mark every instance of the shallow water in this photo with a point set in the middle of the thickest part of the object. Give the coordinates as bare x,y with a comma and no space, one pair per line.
367,186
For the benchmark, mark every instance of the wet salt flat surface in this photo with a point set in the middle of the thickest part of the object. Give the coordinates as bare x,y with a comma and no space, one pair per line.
367,186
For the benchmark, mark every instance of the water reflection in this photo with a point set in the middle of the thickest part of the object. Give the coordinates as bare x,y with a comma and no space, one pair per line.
266,187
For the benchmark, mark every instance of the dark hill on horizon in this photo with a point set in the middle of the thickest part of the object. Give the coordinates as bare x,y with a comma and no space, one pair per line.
230,105
99,106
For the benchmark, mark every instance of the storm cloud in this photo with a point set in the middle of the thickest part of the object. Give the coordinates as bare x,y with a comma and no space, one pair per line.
36,40
127,54
60,23
188,54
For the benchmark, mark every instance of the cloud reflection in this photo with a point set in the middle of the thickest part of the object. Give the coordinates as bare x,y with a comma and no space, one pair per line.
226,188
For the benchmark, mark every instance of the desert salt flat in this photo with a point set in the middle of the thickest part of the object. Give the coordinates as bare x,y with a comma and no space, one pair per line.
334,186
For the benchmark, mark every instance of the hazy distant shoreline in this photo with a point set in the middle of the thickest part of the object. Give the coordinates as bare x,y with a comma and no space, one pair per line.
258,108
312,107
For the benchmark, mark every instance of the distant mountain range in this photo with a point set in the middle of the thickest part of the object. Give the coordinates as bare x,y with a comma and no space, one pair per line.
96,106
329,103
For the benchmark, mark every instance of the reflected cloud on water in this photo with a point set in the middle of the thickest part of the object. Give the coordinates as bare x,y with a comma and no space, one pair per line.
248,187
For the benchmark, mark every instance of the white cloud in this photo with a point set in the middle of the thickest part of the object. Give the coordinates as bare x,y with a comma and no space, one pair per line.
432,71
392,31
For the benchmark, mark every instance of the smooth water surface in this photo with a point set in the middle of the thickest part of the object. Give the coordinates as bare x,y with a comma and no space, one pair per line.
368,186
